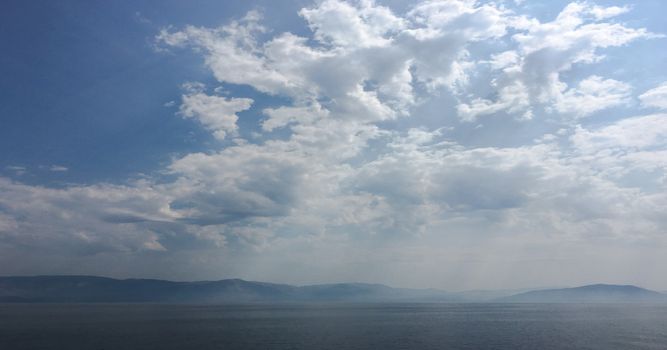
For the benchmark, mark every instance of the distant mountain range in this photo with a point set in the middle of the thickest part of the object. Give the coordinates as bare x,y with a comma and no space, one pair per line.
66,289
101,289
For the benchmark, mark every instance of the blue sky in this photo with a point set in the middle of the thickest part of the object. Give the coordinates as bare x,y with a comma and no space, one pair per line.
85,88
452,144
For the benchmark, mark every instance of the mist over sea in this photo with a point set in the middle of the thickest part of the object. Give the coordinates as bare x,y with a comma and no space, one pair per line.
333,326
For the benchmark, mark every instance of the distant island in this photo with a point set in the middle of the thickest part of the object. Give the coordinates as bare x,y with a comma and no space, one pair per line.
92,289
596,293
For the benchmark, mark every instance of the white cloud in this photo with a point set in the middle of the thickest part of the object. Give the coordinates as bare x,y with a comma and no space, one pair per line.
370,58
637,133
283,116
601,13
546,50
232,53
655,98
82,219
463,17
634,146
341,24
216,113
58,168
593,94
513,98
240,182
504,59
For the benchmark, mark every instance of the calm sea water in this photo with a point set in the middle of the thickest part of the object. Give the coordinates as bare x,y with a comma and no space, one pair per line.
358,326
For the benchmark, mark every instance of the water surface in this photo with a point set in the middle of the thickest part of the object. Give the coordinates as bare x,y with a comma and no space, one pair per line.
350,326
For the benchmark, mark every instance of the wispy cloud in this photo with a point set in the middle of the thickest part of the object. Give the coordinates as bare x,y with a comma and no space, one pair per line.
17,169
58,168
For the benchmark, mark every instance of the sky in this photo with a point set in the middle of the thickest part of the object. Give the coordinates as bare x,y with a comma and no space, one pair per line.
452,144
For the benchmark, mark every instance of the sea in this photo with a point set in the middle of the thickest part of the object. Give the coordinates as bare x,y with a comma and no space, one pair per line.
333,326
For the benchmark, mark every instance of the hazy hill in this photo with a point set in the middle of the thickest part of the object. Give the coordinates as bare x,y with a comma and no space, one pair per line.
101,289
597,293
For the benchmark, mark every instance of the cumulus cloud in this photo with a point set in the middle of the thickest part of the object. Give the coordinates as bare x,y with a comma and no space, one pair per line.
216,113
344,25
530,76
368,60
